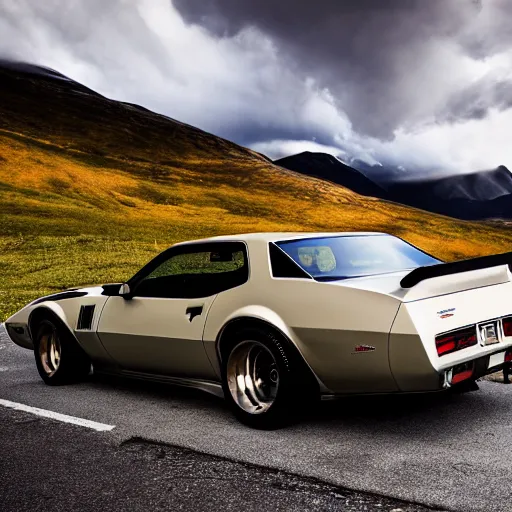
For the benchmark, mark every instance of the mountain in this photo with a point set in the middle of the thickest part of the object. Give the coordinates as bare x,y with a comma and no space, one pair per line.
478,196
39,102
328,167
92,188
472,196
478,186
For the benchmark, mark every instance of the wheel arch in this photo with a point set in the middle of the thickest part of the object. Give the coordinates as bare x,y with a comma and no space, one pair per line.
247,321
76,363
51,311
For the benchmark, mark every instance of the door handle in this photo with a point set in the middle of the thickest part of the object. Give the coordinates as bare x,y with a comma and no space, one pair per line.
194,311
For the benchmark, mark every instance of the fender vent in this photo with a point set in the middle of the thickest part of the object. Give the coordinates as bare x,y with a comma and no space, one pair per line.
85,317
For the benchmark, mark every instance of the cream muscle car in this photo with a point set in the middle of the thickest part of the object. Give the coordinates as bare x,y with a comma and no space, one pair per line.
271,321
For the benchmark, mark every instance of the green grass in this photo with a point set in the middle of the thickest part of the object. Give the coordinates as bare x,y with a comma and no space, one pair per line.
37,265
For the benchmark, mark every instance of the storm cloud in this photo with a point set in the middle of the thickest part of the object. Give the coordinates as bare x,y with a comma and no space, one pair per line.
413,83
389,63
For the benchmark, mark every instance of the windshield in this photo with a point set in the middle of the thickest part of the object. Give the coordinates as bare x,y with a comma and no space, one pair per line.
341,257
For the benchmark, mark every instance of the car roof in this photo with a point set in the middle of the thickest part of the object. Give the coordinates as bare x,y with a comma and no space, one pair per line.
277,237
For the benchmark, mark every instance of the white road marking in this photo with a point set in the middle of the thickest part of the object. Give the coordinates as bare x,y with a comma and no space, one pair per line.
100,427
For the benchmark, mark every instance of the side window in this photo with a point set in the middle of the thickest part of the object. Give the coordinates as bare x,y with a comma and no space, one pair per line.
199,273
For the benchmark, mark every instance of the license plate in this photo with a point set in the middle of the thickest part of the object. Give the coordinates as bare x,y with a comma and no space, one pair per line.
496,359
489,333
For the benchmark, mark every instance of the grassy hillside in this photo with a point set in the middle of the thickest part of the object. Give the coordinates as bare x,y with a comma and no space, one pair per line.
90,189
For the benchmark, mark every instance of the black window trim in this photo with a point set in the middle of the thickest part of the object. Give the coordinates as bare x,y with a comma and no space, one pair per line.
303,274
188,248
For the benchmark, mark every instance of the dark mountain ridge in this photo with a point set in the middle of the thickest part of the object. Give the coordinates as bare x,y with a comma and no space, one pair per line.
472,196
328,167
476,186
40,102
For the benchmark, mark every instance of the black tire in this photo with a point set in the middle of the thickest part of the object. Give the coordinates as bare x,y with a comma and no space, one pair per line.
295,390
72,363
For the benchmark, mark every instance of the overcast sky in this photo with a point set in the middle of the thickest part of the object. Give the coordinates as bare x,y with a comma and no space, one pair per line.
425,84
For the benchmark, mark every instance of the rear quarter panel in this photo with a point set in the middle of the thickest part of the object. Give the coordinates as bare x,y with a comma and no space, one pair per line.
326,322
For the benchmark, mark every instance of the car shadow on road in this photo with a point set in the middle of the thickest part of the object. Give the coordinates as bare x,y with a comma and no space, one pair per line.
395,414
171,394
413,414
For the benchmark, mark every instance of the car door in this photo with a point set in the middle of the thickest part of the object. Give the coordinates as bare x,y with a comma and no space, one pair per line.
158,327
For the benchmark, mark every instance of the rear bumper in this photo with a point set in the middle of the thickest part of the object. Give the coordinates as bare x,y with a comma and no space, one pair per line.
414,358
474,368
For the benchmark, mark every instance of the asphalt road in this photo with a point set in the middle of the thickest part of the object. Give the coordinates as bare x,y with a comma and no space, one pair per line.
445,451
58,467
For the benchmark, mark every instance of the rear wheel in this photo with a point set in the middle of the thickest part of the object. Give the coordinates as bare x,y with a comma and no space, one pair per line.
59,359
265,383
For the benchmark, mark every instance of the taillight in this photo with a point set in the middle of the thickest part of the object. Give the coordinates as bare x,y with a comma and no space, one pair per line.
459,373
508,356
464,375
456,340
507,326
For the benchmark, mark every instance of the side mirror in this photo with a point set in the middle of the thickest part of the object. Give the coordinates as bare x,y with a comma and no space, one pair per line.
125,291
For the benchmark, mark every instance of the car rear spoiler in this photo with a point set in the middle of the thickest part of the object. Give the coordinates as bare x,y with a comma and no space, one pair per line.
444,269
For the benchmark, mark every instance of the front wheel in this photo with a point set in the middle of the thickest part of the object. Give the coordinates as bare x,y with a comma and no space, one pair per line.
264,381
59,358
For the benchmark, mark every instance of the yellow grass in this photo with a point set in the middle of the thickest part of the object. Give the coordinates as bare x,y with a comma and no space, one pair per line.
69,219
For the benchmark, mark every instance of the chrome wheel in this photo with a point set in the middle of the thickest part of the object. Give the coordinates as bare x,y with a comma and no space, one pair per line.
252,377
50,351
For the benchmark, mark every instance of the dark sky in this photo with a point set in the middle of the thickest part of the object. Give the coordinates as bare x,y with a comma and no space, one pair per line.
418,83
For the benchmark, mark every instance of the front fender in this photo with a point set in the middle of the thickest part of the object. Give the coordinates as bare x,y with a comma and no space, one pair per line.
54,308
18,325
